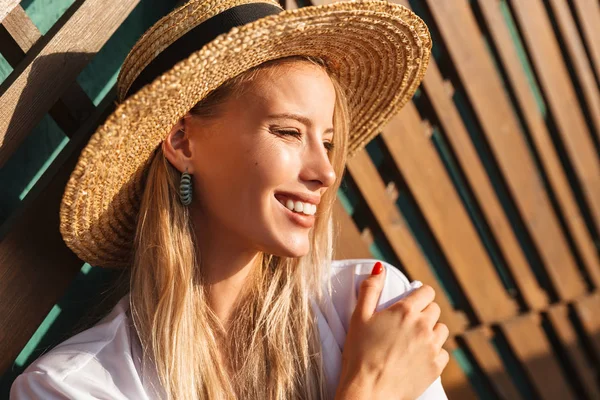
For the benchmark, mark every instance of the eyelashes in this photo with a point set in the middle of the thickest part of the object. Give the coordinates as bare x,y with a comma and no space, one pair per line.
328,145
289,133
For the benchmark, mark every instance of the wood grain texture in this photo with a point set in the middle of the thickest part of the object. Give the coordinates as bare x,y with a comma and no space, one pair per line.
21,29
478,343
62,58
576,53
588,16
472,167
501,129
425,175
349,243
587,309
17,37
561,98
36,266
398,235
559,318
540,136
456,383
6,6
531,346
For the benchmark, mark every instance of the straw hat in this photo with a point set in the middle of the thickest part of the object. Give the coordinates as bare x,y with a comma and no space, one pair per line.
379,51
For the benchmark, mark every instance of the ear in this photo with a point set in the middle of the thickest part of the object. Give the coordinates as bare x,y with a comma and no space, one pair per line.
176,146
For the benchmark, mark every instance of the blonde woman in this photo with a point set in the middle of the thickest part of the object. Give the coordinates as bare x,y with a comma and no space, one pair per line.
213,183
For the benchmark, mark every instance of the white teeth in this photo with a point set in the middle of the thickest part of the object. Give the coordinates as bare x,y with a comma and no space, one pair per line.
300,207
290,204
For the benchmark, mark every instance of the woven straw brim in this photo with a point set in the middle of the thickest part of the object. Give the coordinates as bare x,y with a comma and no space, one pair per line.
380,52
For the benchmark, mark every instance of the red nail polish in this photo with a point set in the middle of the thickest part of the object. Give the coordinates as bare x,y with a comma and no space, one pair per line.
377,268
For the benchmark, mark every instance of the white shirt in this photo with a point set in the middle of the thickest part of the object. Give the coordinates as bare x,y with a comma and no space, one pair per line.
104,362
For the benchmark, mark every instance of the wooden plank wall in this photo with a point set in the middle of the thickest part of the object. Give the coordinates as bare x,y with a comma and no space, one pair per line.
486,186
36,267
495,176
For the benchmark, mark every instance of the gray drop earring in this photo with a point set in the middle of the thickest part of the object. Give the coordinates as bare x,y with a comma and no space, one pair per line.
185,188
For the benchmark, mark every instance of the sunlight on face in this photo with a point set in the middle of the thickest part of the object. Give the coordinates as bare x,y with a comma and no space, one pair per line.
267,153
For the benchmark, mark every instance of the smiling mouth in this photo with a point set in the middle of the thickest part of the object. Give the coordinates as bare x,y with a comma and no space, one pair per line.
297,217
297,206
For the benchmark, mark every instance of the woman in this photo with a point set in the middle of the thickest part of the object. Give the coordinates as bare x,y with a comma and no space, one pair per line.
214,182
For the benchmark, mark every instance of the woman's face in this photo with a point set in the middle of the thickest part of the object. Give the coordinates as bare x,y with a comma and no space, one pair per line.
265,153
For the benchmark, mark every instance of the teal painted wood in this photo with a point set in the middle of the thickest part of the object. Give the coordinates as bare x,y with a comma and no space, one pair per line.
36,153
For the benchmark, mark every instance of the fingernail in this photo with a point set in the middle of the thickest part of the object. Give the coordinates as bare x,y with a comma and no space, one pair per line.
416,284
377,268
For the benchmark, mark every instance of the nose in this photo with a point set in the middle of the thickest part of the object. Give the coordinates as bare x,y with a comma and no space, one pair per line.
317,167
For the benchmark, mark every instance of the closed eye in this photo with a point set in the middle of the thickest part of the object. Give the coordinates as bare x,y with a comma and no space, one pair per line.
328,145
292,133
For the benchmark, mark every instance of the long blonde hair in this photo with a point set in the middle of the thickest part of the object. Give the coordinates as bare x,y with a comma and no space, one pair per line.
273,343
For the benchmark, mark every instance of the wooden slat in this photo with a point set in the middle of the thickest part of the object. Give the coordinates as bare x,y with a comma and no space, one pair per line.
425,175
289,4
588,311
562,100
456,132
367,236
477,341
456,383
493,110
349,244
6,6
576,53
557,178
36,266
531,346
18,35
21,29
588,15
440,92
67,52
398,235
559,318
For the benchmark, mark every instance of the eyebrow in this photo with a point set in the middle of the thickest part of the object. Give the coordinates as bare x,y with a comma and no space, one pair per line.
297,117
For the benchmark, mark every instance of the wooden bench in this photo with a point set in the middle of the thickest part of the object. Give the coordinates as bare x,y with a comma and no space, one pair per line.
486,186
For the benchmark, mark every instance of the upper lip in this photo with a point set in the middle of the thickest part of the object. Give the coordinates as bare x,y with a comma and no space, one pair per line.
303,197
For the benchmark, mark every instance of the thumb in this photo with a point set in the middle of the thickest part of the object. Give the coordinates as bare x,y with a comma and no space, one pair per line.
369,292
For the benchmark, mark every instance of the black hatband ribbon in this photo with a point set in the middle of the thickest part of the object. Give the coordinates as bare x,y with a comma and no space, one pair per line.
199,36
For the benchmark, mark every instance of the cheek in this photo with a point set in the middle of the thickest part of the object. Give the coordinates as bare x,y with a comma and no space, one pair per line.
268,169
242,176
273,166
237,194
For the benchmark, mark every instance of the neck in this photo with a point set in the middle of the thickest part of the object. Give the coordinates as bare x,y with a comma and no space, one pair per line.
226,261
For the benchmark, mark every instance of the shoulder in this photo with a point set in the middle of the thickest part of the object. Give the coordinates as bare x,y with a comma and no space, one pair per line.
92,363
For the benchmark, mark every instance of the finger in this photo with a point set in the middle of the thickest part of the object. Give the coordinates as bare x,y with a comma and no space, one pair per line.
369,292
417,300
440,334
431,314
442,360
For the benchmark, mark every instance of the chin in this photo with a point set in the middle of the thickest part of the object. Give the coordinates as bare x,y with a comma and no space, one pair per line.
293,248
295,253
